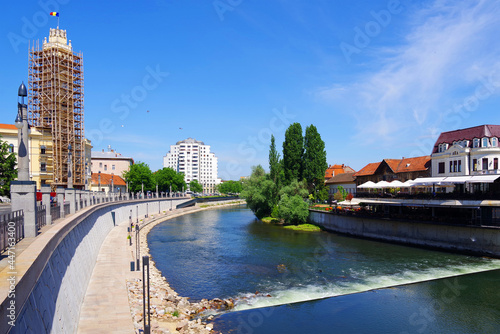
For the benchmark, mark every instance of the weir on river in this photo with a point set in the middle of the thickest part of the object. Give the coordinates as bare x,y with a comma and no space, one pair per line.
277,276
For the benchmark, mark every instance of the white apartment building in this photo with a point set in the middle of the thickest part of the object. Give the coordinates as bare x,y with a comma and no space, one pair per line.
194,159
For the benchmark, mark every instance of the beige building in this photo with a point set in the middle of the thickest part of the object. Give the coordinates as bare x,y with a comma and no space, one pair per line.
110,162
41,161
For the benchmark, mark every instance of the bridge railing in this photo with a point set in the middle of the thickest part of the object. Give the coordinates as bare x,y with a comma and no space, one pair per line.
40,217
11,229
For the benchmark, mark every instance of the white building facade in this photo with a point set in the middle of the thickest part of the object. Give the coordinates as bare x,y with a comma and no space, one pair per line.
471,151
194,159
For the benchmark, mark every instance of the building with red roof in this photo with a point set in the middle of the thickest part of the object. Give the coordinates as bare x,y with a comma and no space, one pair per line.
395,169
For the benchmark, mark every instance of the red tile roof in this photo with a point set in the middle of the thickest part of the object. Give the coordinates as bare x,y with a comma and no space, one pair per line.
368,169
393,164
467,134
333,170
8,126
414,164
106,179
341,178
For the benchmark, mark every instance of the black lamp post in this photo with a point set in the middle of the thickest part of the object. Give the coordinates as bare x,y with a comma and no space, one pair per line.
99,181
70,167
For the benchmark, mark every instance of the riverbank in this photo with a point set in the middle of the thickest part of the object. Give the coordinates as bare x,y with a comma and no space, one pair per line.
171,313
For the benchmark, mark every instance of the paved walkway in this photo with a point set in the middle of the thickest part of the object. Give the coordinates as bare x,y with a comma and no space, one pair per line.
106,307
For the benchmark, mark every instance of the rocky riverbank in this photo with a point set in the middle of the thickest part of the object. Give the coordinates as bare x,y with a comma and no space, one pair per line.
171,313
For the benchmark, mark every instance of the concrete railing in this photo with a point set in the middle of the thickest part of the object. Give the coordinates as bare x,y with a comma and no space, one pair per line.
53,272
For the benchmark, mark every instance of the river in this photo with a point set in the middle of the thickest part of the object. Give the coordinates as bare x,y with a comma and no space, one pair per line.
301,282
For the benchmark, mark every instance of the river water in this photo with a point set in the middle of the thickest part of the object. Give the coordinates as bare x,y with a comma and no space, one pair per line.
302,282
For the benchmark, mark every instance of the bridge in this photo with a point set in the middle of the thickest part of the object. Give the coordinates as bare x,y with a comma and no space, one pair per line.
44,279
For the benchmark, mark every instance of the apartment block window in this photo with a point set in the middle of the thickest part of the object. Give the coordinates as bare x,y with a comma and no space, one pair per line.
43,167
485,163
474,164
495,163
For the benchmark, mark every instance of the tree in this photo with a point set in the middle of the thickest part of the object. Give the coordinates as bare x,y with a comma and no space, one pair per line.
257,191
227,187
293,152
315,163
137,175
195,186
274,162
293,210
8,170
167,177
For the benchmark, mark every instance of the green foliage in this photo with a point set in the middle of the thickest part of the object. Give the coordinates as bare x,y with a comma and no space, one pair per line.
322,192
293,153
338,196
275,212
137,175
257,191
343,192
167,177
8,170
314,159
227,187
195,186
293,210
295,188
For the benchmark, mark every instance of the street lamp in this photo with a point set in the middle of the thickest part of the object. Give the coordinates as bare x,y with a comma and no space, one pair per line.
99,181
22,136
112,183
86,177
70,168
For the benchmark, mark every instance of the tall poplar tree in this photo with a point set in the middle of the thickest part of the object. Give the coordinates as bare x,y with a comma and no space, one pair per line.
293,152
274,161
315,163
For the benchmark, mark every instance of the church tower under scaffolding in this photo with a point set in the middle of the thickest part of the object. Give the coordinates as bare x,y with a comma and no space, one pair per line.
55,108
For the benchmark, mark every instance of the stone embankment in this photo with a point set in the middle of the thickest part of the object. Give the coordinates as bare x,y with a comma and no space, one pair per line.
171,313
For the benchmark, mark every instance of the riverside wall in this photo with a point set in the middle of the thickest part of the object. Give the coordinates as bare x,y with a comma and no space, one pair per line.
53,272
477,240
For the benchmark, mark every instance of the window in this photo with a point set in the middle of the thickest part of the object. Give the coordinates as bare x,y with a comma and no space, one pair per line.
441,168
485,142
459,166
476,143
451,166
485,163
100,164
43,167
494,142
474,164
105,167
11,148
495,163
113,167
42,149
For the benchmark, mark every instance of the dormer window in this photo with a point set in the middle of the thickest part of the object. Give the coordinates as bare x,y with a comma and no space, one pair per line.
476,143
494,142
485,142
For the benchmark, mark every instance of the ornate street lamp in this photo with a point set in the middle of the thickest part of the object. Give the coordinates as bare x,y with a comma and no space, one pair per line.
70,167
22,136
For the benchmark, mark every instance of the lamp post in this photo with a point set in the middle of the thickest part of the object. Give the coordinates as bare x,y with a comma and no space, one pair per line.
86,177
70,167
112,183
99,181
22,136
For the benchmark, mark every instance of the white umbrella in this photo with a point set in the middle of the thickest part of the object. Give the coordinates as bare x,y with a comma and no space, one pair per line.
396,184
368,185
382,184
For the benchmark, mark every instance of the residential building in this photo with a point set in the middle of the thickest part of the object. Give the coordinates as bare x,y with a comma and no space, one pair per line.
41,161
194,159
55,108
345,180
395,169
108,183
470,151
110,162
334,170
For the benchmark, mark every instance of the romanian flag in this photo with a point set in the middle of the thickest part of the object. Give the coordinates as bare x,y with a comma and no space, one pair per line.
54,14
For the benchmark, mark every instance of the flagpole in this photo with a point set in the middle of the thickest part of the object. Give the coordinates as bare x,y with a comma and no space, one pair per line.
57,21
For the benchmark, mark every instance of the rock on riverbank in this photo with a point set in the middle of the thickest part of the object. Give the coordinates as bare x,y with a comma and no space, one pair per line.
170,313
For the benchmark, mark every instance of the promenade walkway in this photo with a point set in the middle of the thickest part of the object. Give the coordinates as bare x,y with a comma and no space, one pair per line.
106,307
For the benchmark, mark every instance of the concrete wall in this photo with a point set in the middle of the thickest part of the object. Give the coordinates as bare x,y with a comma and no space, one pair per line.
50,292
470,239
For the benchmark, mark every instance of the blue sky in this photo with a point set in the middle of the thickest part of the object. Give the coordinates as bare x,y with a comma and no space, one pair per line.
379,79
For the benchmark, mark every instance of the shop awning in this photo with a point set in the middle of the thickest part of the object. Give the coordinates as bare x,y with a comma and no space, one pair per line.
483,178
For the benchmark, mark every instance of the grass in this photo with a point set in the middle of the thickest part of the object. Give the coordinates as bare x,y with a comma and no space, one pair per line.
270,220
303,227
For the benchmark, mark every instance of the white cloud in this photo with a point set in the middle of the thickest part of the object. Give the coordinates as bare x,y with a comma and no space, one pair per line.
449,48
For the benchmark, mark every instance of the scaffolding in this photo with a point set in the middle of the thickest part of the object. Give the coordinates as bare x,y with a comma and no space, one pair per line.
55,107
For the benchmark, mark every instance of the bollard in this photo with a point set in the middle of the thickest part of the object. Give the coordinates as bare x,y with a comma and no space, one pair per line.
147,326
